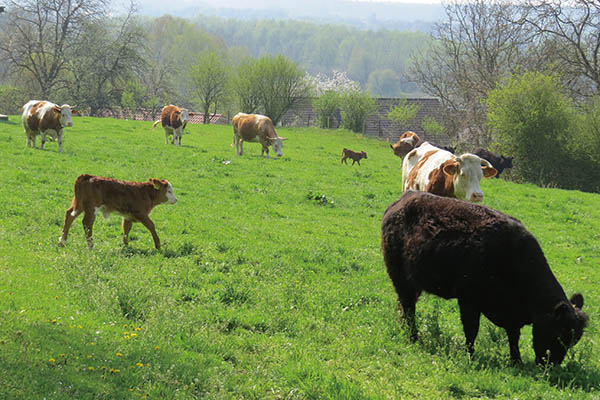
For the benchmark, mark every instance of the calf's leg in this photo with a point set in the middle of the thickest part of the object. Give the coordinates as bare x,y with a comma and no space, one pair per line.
150,226
69,218
126,229
88,224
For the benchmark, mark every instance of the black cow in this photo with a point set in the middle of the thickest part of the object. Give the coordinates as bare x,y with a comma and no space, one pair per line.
498,162
485,259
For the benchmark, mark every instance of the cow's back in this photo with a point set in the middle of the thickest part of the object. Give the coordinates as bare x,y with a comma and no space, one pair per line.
448,247
166,116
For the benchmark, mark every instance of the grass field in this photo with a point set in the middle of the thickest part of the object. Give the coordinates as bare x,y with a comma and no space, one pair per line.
258,292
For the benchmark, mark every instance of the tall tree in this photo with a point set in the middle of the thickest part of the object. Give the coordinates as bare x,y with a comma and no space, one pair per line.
475,47
99,69
209,79
38,35
573,28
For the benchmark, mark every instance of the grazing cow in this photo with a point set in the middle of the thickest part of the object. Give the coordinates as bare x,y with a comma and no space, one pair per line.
255,128
430,169
485,259
132,200
174,120
45,117
356,157
499,162
407,142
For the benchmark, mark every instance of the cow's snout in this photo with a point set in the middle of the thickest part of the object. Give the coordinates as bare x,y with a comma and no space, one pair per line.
477,197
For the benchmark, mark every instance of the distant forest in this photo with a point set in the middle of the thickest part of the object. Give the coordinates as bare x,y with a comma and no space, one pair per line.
376,59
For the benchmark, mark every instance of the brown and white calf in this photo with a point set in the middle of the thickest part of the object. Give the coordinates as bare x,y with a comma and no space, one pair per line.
255,128
431,169
132,200
41,117
174,120
353,155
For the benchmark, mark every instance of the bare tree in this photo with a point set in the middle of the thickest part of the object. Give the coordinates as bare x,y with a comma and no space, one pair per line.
476,46
573,30
38,35
99,69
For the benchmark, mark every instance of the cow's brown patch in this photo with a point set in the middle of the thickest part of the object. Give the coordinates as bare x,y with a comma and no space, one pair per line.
171,116
440,182
412,175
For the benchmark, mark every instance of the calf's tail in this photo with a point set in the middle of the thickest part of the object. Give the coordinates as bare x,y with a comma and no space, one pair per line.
156,123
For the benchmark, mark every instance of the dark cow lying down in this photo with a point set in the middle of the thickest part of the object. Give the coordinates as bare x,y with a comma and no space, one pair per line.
132,200
485,259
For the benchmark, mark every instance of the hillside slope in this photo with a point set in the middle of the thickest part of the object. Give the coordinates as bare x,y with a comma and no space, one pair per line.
259,291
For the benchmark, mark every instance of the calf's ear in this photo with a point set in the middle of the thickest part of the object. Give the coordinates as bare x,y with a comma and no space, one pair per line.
155,183
577,300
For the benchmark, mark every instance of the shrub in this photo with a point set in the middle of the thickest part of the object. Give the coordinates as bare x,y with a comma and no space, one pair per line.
537,124
326,106
356,107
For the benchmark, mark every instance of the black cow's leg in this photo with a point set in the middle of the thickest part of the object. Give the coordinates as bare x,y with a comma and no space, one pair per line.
469,316
513,343
408,303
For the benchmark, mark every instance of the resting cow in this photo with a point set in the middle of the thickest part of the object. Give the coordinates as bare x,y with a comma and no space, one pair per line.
485,259
255,128
430,169
132,200
45,117
499,162
174,120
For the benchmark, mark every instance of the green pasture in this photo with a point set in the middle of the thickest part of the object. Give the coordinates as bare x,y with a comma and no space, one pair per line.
259,291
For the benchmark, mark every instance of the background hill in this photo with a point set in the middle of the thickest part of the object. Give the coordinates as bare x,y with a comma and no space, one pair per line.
259,291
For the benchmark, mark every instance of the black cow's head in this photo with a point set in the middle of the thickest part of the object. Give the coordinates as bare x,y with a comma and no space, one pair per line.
555,332
506,161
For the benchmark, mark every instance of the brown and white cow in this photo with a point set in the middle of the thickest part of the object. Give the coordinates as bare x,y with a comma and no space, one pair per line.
132,200
41,117
407,142
255,128
174,120
431,169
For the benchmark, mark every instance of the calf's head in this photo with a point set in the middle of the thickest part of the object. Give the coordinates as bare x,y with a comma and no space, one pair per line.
506,161
165,190
363,154
555,332
466,171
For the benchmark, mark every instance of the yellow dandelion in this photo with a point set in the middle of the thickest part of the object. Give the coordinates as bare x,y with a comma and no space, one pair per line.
62,355
92,343
53,321
90,356
90,368
139,364
156,347
126,337
79,326
119,355
125,333
114,371
133,334
52,360
147,365
138,329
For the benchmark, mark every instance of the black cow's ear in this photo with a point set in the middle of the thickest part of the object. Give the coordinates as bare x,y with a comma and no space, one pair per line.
561,309
577,300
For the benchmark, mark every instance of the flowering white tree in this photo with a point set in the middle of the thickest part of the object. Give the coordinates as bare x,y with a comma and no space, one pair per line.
330,91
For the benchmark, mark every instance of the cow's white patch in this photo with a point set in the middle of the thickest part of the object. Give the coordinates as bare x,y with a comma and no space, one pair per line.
278,146
171,199
466,182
